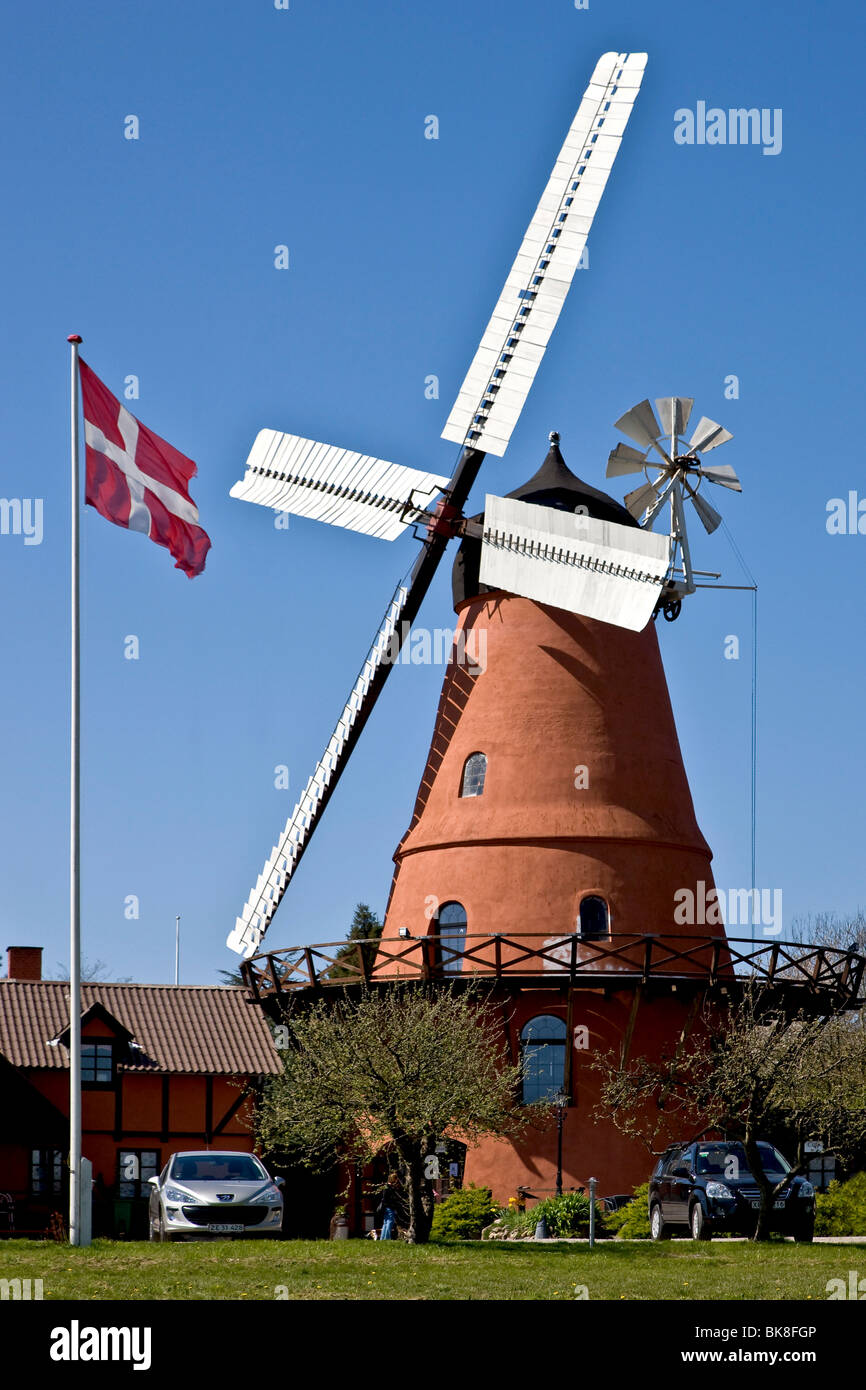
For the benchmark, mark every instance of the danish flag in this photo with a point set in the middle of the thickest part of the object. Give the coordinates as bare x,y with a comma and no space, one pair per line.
137,480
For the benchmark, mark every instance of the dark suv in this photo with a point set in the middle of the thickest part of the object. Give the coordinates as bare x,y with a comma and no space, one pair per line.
708,1188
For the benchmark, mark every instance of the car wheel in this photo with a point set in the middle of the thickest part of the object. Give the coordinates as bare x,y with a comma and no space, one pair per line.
804,1235
698,1224
152,1230
658,1229
162,1233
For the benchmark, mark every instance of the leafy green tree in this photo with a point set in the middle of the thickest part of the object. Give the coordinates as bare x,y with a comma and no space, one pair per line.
231,977
393,1071
362,943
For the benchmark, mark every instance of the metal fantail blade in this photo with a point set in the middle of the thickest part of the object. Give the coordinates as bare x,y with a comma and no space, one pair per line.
641,425
708,435
724,475
674,412
709,516
642,497
624,459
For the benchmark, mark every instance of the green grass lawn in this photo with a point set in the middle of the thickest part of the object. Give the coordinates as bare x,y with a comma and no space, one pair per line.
356,1269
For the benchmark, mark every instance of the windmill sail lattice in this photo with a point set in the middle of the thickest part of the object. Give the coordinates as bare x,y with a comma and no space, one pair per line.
342,488
596,568
271,883
496,386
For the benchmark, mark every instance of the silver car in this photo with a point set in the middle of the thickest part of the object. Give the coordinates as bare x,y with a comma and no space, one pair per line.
205,1193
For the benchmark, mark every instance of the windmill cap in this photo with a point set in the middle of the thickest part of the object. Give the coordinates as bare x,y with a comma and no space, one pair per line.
554,485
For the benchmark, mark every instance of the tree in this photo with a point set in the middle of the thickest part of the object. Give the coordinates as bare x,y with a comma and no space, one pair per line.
846,932
366,929
395,1070
93,972
232,977
751,1071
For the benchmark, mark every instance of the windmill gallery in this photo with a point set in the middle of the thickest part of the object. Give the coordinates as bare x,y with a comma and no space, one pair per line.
558,889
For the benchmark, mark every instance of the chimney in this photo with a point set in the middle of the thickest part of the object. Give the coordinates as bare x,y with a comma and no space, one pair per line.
24,962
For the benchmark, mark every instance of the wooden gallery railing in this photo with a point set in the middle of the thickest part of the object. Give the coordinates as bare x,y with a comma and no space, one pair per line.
619,960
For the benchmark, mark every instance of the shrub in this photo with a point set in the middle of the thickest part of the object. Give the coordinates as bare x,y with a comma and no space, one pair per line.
842,1209
631,1222
518,1223
464,1214
567,1215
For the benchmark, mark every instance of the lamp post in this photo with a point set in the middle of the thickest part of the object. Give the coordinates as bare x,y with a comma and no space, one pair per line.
561,1102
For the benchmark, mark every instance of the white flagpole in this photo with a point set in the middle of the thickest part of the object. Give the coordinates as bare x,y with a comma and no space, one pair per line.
75,831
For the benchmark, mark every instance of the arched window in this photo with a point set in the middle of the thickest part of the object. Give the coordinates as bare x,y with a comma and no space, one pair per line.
474,772
593,919
451,927
542,1044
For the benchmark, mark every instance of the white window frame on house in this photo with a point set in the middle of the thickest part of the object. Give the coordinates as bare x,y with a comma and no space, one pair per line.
146,1165
102,1074
46,1172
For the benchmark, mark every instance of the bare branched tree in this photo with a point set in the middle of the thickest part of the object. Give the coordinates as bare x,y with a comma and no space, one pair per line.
92,972
750,1071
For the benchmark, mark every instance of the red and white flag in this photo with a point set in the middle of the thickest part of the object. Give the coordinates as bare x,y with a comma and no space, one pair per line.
137,480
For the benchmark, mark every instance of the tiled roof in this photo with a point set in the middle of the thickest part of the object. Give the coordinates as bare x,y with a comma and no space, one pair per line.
179,1028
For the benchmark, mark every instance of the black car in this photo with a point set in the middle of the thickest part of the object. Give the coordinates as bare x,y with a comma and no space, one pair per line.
708,1189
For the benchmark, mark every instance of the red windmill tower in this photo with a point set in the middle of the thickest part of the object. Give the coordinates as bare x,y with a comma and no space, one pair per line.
554,825
549,838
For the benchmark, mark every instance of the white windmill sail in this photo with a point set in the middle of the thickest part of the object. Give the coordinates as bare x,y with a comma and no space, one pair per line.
271,883
496,386
338,486
596,568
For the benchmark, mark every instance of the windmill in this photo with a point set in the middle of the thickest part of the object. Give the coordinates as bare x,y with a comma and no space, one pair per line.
677,479
598,568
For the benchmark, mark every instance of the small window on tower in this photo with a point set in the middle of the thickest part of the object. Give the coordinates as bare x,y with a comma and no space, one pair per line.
542,1046
474,773
451,930
593,918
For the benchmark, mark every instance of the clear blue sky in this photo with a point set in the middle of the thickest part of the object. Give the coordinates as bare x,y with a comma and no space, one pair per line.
306,127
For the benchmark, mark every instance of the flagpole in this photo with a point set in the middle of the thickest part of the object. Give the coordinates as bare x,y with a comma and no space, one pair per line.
74,826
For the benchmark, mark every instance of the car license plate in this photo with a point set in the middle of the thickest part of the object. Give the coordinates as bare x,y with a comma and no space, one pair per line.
776,1205
225,1230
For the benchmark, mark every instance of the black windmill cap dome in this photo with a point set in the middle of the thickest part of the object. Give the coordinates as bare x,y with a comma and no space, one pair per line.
554,485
